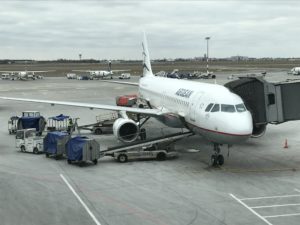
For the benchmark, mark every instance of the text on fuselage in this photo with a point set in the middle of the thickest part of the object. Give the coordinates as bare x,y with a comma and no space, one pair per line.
184,93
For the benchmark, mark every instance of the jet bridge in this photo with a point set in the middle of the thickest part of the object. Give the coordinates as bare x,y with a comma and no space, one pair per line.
268,102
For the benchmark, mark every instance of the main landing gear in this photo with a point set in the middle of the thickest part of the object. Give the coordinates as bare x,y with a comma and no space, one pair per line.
217,159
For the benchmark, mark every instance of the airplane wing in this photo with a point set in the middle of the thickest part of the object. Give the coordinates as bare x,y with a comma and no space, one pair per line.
150,112
121,82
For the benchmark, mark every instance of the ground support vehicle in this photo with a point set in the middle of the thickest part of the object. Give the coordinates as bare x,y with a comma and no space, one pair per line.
147,152
126,100
82,150
27,141
207,76
5,76
125,76
103,125
38,77
71,76
32,119
12,124
55,144
59,123
159,148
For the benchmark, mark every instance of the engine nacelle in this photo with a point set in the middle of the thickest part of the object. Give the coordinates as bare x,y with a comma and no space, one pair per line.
126,130
258,130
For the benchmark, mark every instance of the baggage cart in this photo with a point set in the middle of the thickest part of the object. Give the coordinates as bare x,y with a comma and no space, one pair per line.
82,149
55,144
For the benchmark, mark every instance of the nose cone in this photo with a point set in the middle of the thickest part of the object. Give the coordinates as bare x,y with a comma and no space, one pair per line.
232,129
242,124
241,127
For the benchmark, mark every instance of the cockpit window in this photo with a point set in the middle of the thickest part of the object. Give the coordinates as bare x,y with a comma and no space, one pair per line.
227,108
240,108
209,107
216,108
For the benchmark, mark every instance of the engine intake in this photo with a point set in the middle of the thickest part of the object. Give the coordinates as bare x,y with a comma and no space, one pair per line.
126,130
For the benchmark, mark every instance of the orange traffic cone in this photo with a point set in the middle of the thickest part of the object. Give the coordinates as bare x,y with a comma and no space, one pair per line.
285,144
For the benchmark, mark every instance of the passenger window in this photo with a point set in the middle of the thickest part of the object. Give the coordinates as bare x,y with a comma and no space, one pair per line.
209,107
216,108
227,108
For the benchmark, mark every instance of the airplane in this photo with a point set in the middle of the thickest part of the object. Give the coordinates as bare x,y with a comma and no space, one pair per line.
295,71
97,74
24,75
209,110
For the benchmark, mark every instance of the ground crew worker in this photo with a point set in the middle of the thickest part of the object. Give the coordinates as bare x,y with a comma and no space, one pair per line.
70,126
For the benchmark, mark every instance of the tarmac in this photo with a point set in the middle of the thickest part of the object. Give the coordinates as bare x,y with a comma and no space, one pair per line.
258,184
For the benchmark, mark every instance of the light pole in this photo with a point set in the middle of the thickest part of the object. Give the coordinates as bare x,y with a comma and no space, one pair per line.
207,39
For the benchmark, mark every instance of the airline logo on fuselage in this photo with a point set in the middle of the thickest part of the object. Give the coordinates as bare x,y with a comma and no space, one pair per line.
184,93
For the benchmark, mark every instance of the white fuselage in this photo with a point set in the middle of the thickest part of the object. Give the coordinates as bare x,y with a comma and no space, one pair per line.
100,73
25,75
188,101
295,71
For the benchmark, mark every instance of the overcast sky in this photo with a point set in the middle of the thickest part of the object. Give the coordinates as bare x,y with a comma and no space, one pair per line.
113,29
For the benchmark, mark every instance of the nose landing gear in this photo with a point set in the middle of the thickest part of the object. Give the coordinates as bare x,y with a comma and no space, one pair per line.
217,159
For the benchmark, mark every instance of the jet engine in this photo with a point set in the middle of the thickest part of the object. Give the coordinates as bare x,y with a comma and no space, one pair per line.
126,130
258,130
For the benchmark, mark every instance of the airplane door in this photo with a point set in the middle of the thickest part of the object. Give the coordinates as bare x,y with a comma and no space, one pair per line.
195,105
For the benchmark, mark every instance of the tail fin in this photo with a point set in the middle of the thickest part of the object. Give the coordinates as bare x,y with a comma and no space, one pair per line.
147,71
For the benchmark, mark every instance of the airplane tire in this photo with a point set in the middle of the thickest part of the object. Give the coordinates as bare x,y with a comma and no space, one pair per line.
98,131
214,161
122,158
35,150
23,148
161,156
95,161
220,160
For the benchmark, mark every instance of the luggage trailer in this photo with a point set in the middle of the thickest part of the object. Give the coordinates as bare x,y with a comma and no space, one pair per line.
104,124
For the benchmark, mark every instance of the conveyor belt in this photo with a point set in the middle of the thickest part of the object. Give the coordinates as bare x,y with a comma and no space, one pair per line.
171,137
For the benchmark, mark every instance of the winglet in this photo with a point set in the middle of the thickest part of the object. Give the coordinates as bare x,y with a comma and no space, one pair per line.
147,71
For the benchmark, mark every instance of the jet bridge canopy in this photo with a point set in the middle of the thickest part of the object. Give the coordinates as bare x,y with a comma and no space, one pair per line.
268,102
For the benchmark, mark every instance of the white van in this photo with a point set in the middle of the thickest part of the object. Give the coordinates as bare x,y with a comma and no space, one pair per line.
124,76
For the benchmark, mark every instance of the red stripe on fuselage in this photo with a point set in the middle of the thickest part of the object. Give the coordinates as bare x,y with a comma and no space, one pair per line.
219,132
